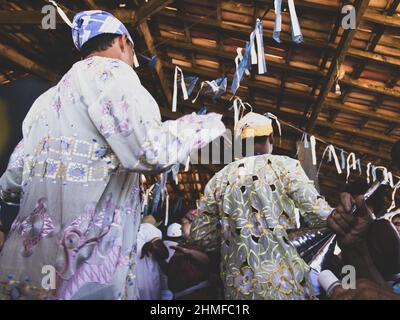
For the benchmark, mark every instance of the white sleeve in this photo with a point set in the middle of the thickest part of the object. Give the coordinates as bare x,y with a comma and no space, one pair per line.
128,118
11,180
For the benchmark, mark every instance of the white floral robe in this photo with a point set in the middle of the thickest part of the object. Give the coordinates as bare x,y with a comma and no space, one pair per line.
76,176
245,212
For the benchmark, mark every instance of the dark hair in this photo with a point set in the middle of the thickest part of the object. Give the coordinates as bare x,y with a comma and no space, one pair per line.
376,201
395,154
255,140
98,43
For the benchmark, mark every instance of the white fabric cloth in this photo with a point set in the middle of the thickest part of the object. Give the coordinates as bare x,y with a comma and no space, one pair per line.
174,230
171,252
85,143
148,273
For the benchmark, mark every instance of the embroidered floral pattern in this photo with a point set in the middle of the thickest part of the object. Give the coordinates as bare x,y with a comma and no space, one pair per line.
17,157
255,200
92,249
115,118
33,228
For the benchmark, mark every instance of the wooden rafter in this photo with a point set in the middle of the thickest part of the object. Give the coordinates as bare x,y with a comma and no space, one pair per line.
148,38
338,58
26,63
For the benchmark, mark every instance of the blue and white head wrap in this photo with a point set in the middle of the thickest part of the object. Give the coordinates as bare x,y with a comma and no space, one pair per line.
89,24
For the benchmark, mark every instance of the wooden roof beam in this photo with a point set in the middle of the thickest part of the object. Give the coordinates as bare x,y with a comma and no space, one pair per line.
126,16
26,63
242,30
295,117
338,58
91,4
330,104
211,74
148,38
215,52
375,57
370,87
150,8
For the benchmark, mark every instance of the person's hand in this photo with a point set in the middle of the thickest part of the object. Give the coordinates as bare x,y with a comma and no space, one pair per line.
365,290
147,250
155,248
181,249
350,228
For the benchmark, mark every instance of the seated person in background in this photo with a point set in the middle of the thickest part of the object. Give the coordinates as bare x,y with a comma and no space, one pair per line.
174,236
151,249
188,269
371,246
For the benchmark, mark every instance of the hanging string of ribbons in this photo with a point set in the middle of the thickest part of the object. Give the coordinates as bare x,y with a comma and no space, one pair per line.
352,163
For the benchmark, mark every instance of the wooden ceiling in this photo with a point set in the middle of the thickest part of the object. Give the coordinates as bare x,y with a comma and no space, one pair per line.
202,36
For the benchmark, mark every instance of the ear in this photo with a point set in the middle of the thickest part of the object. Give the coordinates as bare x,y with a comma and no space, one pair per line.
271,138
123,42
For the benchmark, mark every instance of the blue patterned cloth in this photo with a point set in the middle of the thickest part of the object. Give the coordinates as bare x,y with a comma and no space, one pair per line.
89,24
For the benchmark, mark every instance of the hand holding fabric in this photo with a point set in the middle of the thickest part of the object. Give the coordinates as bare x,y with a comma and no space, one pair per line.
351,229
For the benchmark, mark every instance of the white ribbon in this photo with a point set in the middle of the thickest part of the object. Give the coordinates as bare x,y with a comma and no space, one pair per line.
296,31
212,84
390,179
146,197
62,14
295,22
278,20
387,175
274,117
353,165
393,204
305,137
239,58
358,162
368,171
183,86
187,164
331,149
238,109
166,209
342,159
313,151
135,60
373,173
259,56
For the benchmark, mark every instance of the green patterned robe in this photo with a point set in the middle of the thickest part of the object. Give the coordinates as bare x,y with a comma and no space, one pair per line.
245,212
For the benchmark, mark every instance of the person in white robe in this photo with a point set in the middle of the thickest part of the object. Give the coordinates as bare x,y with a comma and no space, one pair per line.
76,173
148,273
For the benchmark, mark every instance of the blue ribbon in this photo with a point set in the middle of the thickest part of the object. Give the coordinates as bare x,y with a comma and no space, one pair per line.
190,84
203,110
278,21
243,65
262,66
156,198
342,159
151,62
221,83
297,36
